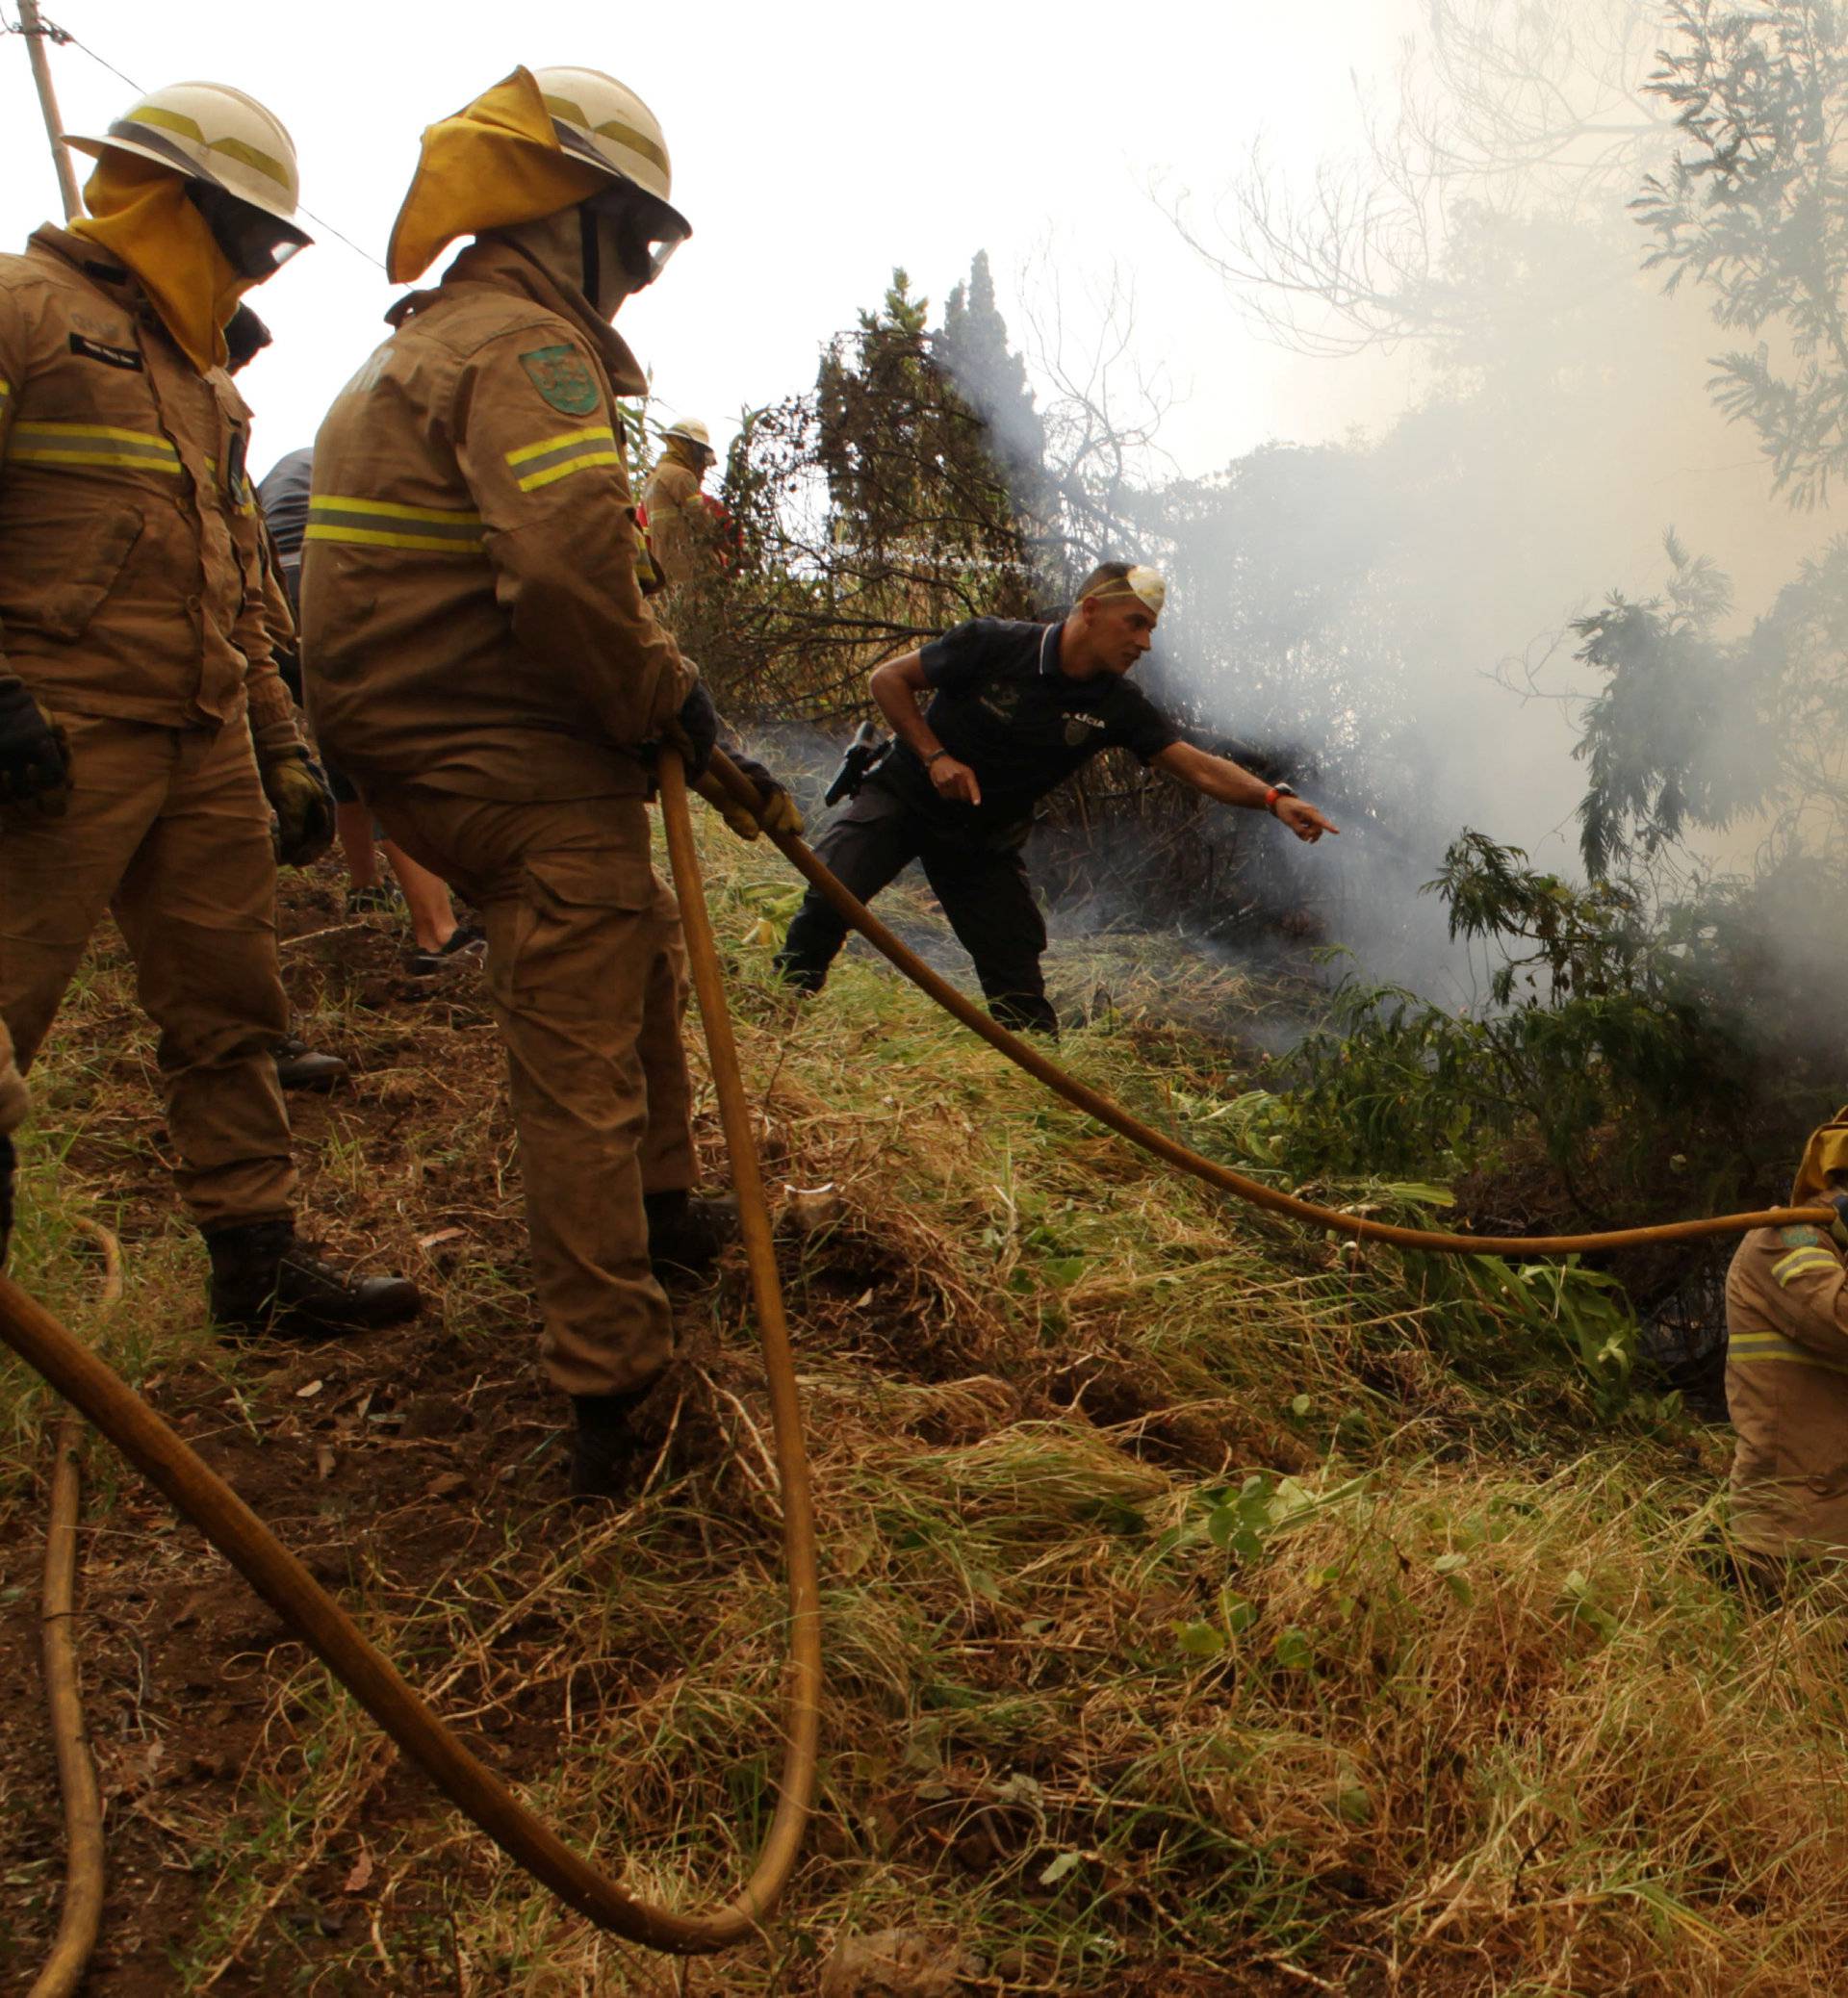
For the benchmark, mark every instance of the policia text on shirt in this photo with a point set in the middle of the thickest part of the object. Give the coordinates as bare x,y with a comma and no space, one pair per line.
1016,708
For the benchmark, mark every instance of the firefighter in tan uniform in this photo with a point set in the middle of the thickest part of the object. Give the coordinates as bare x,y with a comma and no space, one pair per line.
1786,1369
144,735
477,656
679,529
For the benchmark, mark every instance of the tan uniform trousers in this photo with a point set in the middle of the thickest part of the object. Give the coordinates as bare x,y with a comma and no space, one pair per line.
170,827
588,977
14,1101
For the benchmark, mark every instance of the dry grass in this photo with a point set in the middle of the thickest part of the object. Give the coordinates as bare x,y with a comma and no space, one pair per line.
1207,1610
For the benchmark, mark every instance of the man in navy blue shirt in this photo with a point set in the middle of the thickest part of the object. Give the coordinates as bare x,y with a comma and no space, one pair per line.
1015,709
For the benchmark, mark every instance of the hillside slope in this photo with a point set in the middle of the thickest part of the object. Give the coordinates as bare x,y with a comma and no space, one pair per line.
1208,1608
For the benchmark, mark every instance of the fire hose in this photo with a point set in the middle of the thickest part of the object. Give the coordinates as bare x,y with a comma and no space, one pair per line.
1094,1103
81,1917
198,1493
318,1619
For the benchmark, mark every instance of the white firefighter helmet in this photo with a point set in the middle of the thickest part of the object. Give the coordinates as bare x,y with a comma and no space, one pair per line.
692,430
212,133
604,123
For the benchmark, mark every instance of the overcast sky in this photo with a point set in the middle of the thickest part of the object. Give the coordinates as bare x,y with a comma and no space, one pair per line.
815,147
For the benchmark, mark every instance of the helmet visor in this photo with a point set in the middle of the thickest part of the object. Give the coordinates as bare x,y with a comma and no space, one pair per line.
643,230
256,245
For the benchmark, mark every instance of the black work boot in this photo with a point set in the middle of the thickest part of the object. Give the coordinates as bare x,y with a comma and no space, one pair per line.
265,1280
8,1160
607,1454
298,1067
685,1233
1025,1013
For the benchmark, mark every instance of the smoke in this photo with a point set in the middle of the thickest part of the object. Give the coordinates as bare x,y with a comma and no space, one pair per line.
1390,615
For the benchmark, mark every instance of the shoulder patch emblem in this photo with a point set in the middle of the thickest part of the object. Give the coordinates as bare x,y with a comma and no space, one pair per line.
1802,1236
562,376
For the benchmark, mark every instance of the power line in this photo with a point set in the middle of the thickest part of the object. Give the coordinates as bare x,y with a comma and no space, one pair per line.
62,36
321,223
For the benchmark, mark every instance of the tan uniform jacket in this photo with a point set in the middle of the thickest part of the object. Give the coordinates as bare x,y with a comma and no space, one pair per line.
472,617
672,537
129,572
1787,1387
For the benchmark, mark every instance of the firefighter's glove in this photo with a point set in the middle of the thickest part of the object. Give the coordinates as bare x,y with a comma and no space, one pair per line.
694,732
304,807
34,758
776,810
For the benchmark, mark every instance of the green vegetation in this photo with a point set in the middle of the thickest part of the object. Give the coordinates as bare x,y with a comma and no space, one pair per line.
1209,1606
1625,1051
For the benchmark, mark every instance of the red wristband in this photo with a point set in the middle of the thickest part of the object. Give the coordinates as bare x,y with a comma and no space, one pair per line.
1271,798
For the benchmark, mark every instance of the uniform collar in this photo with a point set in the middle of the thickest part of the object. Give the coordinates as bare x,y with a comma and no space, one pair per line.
93,262
1051,669
501,267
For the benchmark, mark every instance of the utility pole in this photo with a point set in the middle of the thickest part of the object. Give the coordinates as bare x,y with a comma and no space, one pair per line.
33,28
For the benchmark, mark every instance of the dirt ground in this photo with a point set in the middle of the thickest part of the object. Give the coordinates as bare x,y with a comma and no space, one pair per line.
403,1453
1032,1367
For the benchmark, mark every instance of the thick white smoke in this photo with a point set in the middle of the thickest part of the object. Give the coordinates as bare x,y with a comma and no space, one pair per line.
1395,607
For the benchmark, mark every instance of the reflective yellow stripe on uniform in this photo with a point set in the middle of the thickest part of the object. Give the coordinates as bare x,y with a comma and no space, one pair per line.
437,530
557,457
37,442
1744,1348
1800,1260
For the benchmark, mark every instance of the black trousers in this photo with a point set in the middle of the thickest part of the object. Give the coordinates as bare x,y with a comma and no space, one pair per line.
984,890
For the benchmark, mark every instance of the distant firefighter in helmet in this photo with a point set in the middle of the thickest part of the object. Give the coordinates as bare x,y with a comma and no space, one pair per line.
1786,1369
146,737
480,660
687,529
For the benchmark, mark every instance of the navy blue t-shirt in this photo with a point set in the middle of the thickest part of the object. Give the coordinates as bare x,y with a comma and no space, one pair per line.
1002,707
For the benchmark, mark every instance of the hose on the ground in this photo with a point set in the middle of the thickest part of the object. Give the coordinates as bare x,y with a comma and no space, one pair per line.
154,1448
855,912
80,1919
319,1622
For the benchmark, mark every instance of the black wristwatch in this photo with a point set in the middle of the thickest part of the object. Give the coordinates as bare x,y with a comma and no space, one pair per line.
1275,792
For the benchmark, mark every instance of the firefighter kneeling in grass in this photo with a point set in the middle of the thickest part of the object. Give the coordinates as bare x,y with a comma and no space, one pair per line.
1786,1369
479,660
1016,708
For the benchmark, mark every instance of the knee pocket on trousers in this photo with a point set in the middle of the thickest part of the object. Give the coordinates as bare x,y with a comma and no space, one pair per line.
571,905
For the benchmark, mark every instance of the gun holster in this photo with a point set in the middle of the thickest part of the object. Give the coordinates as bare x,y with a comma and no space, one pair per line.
867,750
